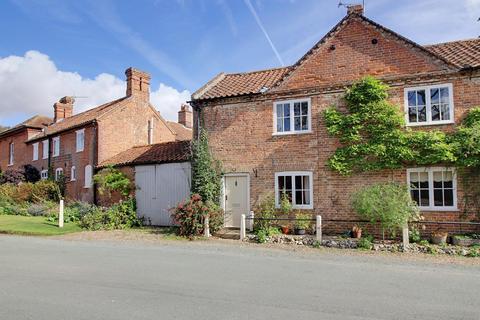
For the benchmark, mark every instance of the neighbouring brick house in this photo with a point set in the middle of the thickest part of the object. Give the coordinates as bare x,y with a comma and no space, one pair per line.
73,145
266,127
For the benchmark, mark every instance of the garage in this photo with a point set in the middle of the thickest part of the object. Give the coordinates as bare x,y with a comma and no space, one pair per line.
162,177
159,188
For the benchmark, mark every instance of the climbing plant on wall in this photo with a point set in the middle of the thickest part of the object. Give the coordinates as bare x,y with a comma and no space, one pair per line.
373,136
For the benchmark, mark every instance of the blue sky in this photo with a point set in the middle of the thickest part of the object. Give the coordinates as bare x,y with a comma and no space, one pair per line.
52,48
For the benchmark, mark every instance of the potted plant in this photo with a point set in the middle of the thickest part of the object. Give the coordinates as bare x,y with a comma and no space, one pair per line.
439,237
356,232
302,222
285,226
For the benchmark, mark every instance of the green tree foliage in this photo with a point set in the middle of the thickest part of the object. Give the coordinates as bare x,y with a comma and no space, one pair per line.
373,136
206,172
388,204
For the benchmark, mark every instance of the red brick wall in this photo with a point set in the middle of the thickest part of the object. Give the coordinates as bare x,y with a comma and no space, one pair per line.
241,137
128,127
22,155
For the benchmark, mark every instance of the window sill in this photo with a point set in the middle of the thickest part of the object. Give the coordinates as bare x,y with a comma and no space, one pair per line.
78,151
10,165
443,209
426,124
291,133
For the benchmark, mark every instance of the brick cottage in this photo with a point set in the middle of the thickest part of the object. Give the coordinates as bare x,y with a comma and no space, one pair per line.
266,127
74,145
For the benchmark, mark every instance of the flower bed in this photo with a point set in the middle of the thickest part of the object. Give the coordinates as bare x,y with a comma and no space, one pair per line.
351,243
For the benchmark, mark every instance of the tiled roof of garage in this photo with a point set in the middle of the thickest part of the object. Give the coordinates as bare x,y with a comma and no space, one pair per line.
461,53
167,152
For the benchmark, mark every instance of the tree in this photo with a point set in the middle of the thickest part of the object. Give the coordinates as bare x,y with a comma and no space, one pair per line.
206,171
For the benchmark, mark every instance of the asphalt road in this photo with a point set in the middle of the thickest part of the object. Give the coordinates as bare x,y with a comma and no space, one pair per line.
56,279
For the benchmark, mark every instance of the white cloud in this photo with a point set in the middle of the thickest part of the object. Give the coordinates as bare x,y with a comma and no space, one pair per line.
32,83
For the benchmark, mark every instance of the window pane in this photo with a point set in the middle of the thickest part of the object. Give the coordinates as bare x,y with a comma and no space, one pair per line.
280,125
281,183
421,98
411,98
438,197
286,124
304,108
286,110
305,123
415,196
437,179
448,197
306,182
414,183
423,180
288,182
435,112
298,182
279,110
424,201
447,179
435,95
298,123
306,197
444,95
296,108
412,114
422,114
299,197
445,112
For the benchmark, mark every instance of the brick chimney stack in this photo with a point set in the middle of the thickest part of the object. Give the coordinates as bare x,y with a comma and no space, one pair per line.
138,83
63,108
355,8
185,116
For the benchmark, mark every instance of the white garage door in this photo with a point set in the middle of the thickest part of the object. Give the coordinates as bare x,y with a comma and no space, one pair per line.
160,188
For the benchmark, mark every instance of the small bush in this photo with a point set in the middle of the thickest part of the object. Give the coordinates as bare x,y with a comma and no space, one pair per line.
120,216
265,209
190,216
13,176
303,221
31,173
414,235
111,180
365,243
388,204
264,234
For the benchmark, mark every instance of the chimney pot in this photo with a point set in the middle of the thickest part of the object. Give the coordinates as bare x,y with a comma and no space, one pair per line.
138,83
355,9
185,116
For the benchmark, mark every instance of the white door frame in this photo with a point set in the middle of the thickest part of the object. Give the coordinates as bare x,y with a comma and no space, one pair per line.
234,174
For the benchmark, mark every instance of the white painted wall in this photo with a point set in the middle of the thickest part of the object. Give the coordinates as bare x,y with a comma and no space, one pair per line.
160,188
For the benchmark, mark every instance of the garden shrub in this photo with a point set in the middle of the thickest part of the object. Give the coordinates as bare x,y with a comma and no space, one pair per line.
31,173
190,216
265,209
111,180
119,216
13,176
365,243
30,192
388,204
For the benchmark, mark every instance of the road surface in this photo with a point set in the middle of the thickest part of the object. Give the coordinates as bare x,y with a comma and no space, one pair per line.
57,279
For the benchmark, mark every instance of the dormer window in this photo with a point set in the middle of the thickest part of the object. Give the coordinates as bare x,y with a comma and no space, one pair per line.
292,117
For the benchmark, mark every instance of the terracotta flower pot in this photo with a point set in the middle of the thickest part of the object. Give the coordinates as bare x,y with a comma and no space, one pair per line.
285,230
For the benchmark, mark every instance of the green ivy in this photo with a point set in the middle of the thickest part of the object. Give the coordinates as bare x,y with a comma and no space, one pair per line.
110,180
206,171
373,136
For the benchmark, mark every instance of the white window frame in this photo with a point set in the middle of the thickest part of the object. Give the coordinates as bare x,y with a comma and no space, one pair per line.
45,149
11,153
58,172
56,146
35,151
428,105
293,174
80,140
88,178
292,117
73,173
430,171
44,174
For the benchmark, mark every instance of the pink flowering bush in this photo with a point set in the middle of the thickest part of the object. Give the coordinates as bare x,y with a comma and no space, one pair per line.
190,216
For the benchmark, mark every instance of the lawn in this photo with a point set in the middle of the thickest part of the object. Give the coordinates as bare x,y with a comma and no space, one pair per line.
37,226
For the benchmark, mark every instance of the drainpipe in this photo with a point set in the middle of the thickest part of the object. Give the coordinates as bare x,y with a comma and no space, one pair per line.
95,159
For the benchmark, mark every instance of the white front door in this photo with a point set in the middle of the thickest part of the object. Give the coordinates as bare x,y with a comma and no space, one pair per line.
236,199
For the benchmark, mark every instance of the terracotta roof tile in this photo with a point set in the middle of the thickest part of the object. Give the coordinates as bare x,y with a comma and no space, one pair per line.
36,122
79,119
461,53
234,84
182,133
176,151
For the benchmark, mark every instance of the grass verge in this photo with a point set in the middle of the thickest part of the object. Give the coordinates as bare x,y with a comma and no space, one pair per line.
36,226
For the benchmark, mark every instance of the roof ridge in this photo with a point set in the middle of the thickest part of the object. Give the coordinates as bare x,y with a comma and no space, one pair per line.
453,41
257,71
